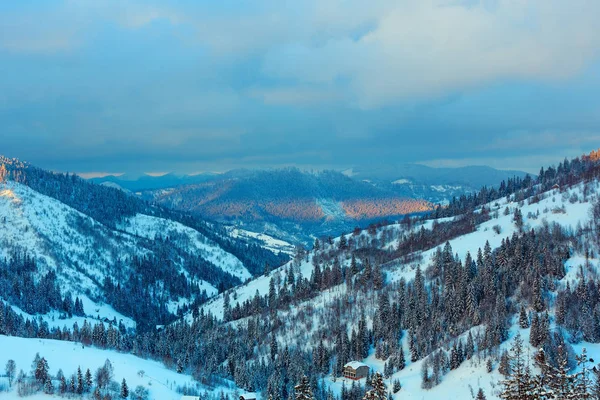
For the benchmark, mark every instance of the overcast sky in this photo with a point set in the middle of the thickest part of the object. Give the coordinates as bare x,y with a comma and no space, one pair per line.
186,86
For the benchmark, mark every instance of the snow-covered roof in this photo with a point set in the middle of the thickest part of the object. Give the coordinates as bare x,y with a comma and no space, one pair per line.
356,364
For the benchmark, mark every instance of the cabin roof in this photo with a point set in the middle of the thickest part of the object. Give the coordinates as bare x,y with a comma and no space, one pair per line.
355,365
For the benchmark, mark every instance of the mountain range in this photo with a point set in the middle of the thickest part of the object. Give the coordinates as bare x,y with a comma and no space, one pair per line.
300,205
440,303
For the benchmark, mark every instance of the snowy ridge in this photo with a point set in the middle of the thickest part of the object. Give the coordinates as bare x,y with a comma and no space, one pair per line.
570,208
152,227
79,248
266,241
160,381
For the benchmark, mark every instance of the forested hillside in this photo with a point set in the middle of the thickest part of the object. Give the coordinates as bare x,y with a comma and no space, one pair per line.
67,243
494,296
289,201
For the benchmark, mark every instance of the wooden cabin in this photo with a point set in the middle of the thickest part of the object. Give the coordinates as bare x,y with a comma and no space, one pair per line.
356,370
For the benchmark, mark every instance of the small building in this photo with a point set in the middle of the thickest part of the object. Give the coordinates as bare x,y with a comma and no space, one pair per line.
556,186
356,370
248,396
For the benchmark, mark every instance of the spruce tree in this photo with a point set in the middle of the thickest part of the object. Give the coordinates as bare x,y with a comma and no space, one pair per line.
88,380
48,387
303,390
124,389
518,384
480,395
62,386
378,386
79,381
523,320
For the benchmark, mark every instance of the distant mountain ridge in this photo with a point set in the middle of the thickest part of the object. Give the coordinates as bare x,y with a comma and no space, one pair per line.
469,176
293,201
296,204
150,182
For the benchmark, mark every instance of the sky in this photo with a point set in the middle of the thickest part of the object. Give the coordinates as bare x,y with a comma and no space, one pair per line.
107,86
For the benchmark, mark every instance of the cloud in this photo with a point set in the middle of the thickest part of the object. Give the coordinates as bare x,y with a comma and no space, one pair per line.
428,48
162,83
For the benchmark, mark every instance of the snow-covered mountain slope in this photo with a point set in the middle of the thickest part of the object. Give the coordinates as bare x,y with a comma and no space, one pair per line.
556,207
570,209
300,325
161,383
266,241
82,250
186,238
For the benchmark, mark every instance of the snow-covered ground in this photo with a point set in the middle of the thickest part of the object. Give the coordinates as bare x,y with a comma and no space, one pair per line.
151,227
160,381
266,241
79,248
570,209
555,208
94,312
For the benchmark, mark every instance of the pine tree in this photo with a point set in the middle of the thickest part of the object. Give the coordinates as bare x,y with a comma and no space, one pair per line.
303,390
62,386
378,386
273,347
11,369
48,387
518,385
41,371
584,384
534,332
79,381
518,219
470,347
595,390
538,302
480,395
124,389
523,320
401,362
396,386
88,380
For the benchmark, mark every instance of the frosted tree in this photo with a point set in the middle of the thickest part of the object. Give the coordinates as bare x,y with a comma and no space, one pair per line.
523,320
88,380
80,383
518,385
124,389
303,390
378,386
480,395
41,371
584,382
10,370
48,387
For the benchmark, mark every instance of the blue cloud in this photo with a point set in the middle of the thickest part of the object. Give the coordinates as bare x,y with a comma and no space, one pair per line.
188,85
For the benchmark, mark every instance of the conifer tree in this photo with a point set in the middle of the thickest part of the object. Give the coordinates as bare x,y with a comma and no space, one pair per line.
80,382
480,395
62,386
124,389
11,369
378,386
303,390
48,387
88,380
518,385
523,320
